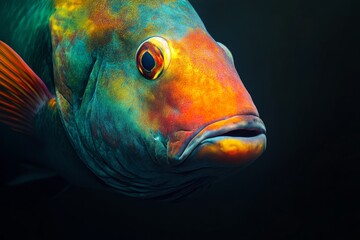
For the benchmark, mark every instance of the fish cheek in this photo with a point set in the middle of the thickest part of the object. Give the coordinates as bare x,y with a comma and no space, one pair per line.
133,95
117,108
117,115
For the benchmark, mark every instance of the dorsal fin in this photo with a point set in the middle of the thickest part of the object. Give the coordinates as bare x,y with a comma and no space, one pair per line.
22,92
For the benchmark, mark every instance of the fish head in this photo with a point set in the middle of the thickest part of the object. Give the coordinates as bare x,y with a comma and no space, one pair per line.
152,104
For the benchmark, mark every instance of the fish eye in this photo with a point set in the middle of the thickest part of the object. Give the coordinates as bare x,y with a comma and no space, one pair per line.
227,51
153,57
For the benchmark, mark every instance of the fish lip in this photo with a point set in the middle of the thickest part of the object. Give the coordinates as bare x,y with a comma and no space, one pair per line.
221,128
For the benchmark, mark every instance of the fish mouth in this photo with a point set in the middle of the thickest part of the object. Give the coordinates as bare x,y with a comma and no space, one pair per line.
237,140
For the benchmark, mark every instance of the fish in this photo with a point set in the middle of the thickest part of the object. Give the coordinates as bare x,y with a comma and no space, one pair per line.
135,97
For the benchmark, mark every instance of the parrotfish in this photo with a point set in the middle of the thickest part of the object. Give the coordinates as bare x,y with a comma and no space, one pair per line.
132,96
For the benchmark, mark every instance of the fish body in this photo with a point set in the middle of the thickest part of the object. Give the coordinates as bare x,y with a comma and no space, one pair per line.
145,101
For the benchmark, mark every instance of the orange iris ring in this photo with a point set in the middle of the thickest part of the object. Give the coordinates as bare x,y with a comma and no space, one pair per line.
158,58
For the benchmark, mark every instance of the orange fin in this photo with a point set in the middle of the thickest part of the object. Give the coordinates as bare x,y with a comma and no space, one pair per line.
22,92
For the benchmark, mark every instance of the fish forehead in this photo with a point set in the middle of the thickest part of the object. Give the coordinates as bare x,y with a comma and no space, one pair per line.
132,21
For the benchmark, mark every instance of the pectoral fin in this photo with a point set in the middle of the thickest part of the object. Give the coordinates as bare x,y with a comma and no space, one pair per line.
22,92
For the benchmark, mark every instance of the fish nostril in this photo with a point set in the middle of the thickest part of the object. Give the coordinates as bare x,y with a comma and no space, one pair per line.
242,133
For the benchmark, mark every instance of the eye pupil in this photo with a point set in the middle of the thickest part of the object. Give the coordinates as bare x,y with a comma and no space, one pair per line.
147,61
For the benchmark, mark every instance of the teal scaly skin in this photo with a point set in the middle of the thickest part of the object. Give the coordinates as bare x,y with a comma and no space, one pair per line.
145,101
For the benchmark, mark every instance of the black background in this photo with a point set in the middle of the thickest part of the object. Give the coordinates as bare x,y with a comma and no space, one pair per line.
300,62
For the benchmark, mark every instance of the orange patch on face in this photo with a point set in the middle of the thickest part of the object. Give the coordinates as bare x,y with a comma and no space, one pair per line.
200,86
